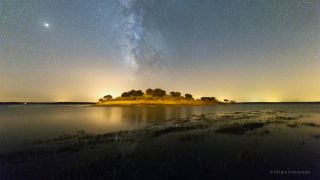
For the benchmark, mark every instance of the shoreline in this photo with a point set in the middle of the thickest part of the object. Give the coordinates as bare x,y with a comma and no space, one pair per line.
128,104
156,102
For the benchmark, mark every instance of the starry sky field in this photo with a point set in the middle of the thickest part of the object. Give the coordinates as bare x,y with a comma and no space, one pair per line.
80,50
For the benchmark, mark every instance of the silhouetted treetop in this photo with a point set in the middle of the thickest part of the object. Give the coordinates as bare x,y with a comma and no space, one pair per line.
188,96
156,92
107,97
159,92
209,99
175,94
132,93
149,91
125,94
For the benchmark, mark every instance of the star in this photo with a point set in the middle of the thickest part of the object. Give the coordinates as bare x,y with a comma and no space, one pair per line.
46,25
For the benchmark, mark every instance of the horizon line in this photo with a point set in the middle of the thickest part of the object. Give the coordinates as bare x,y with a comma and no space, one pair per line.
90,102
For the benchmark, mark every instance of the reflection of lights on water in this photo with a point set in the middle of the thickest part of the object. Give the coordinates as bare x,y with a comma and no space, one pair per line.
114,116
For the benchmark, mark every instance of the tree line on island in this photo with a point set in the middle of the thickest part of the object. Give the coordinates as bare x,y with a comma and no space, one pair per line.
159,94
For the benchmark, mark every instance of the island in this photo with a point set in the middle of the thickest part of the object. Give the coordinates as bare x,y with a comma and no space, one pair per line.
158,96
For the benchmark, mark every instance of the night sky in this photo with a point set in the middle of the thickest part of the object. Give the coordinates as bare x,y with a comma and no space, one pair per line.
80,50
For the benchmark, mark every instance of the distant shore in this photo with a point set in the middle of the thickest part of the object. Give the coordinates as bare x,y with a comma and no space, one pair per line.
144,102
154,102
157,97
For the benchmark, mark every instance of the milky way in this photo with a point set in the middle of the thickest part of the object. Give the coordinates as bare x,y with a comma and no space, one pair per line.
140,47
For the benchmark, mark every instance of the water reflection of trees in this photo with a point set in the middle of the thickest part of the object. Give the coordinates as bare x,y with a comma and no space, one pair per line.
142,114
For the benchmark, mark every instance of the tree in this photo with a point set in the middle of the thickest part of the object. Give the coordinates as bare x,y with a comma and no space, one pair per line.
131,93
139,93
107,97
149,91
159,92
204,98
175,94
134,93
188,96
226,100
210,99
125,94
213,99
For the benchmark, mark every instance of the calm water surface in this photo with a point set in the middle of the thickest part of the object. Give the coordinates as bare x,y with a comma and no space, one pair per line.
240,141
20,124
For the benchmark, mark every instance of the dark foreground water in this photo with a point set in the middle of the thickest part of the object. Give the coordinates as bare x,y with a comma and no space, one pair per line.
255,141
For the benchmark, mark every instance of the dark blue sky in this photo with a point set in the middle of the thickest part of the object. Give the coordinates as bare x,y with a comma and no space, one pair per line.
247,50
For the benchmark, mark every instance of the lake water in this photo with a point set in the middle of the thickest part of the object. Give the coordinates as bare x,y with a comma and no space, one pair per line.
20,124
160,142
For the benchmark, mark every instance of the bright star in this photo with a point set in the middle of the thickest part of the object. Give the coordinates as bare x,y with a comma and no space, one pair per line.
46,25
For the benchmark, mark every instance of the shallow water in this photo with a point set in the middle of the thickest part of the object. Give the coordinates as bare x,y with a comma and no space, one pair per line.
21,124
160,142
